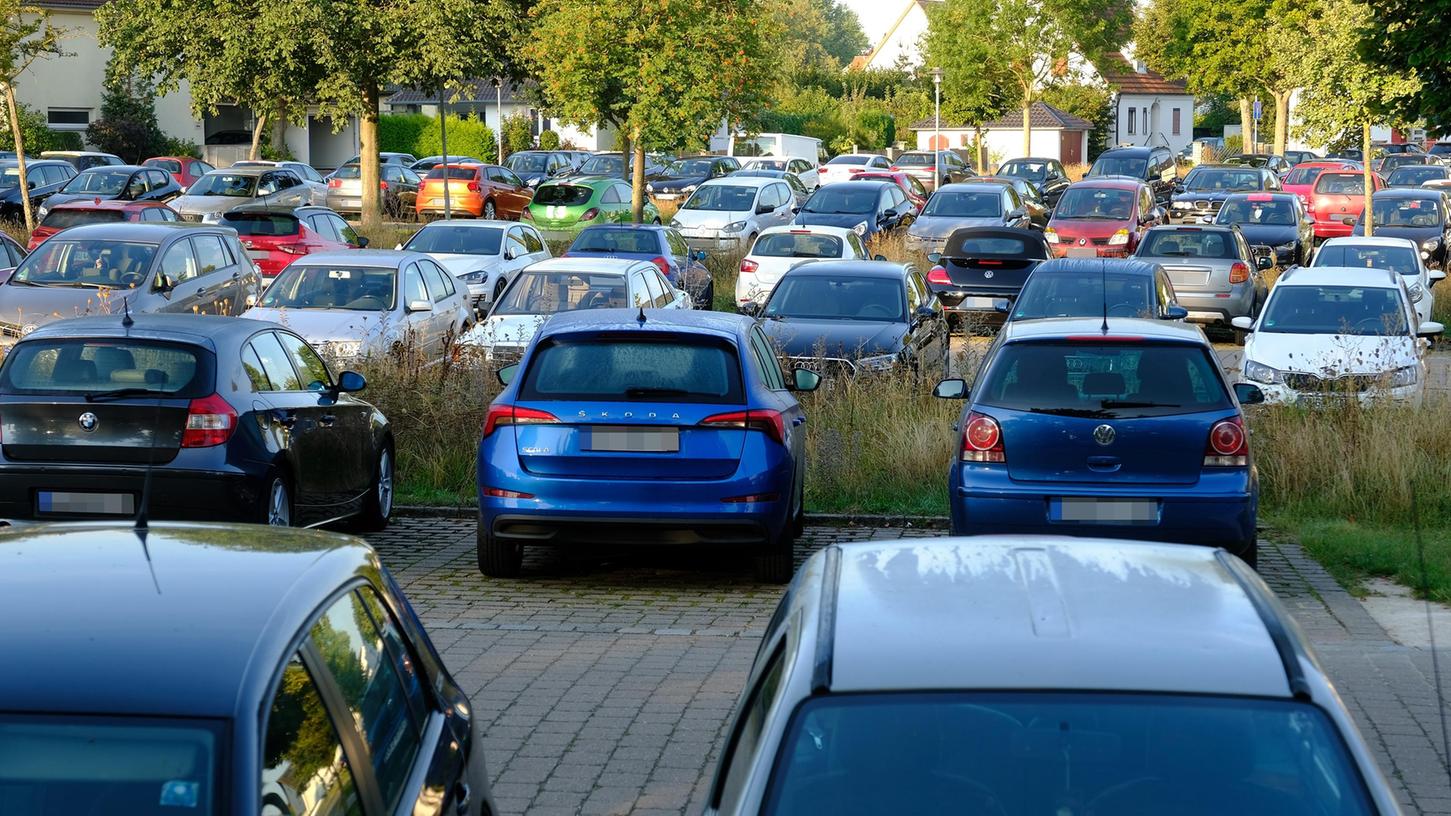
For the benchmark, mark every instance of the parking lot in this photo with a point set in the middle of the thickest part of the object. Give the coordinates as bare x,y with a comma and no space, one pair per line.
605,685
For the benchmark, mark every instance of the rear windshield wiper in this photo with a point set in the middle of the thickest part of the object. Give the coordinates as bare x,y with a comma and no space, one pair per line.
122,393
1109,404
659,392
1087,413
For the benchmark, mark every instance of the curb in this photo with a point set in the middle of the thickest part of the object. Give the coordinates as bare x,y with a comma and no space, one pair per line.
816,519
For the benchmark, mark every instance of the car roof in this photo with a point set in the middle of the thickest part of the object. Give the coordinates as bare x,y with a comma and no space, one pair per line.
1371,240
35,163
154,231
165,625
590,265
718,324
111,168
1029,159
361,257
814,229
1057,328
1261,195
976,185
198,329
1039,612
1194,228
1131,150
254,170
855,268
1421,193
471,223
76,153
733,180
864,182
623,227
107,204
592,182
1340,276
1110,182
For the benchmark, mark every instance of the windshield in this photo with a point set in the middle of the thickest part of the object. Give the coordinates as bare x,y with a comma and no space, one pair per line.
1414,175
65,365
843,199
1278,212
132,765
634,369
1358,310
603,166
231,184
1399,258
63,217
96,263
348,171
11,178
543,293
1249,161
356,288
1120,166
1189,244
1074,294
528,162
1211,179
722,198
797,245
610,239
1104,380
965,205
454,172
1440,148
850,160
1351,184
689,167
817,297
1405,212
1032,171
1095,202
979,753
916,160
262,224
566,195
98,182
766,164
169,165
443,239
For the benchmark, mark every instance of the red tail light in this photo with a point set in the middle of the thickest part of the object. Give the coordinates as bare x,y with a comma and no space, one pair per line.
500,415
501,493
1228,444
473,186
893,168
982,439
590,214
771,423
821,169
209,422
382,185
938,275
749,266
334,183
1238,273
663,264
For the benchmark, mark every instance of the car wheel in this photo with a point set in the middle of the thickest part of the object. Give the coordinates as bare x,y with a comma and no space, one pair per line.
1251,555
498,291
498,559
489,211
775,563
707,298
378,506
798,523
277,512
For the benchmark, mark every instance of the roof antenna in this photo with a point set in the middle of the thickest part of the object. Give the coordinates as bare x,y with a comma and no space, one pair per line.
641,316
126,321
141,526
1103,273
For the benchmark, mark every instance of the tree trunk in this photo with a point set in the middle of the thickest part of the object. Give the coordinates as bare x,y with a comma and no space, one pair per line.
279,132
1027,124
1365,154
1282,121
1246,126
372,215
255,152
637,178
19,155
981,151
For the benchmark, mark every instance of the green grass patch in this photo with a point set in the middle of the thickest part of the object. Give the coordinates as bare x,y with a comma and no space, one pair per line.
1353,551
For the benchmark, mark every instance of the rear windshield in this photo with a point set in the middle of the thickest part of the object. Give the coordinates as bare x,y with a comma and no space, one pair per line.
143,767
976,246
81,263
539,293
797,245
1356,310
1074,294
1414,175
66,365
62,218
1116,380
817,297
1401,259
1120,166
965,205
348,171
603,166
460,173
635,369
168,165
357,288
262,223
766,164
916,160
527,163
1341,183
567,195
455,240
1032,171
849,160
1278,212
98,182
1303,175
1189,244
616,240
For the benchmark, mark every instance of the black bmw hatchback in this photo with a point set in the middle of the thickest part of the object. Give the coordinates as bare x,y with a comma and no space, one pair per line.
235,420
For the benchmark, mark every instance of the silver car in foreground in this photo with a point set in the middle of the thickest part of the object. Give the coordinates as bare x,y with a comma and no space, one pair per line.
1038,675
968,204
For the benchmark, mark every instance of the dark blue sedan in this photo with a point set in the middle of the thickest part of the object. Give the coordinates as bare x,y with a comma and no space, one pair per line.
663,246
621,426
865,207
1118,427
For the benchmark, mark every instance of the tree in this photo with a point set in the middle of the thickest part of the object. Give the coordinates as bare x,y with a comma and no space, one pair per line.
26,34
976,76
127,125
844,39
1408,38
517,134
548,140
669,76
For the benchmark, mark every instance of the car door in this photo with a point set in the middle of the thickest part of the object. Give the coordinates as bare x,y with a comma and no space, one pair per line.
448,304
346,422
513,194
178,264
768,368
534,243
161,186
515,253
672,297
419,316
303,422
923,337
219,276
785,203
639,293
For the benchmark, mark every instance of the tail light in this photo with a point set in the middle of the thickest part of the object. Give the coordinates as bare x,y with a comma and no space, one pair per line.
938,275
473,186
500,415
1228,444
893,168
748,266
769,422
752,498
982,439
590,214
662,264
501,493
209,422
821,169
382,185
1238,273
334,183
292,249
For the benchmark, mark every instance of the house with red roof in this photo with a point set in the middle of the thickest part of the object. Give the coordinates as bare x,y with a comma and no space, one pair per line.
1148,110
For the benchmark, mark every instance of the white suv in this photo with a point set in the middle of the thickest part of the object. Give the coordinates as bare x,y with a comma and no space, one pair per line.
1337,333
1398,254
778,249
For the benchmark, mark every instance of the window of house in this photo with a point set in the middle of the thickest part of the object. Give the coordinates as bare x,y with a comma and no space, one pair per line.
1146,122
68,118
1174,121
1131,120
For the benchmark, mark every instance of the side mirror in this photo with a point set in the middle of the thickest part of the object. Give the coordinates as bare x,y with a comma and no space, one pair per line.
925,312
951,389
1350,220
1243,323
29,185
1435,276
508,254
1002,305
163,283
351,382
887,215
804,380
420,306
363,242
934,257
507,373
879,257
1016,213
1176,313
750,308
1248,393
762,209
397,247
1430,329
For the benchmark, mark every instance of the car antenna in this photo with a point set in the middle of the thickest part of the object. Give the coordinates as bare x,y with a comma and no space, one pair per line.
1103,274
641,316
126,321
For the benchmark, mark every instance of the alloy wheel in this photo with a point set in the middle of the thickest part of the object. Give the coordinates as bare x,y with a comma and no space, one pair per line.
279,507
489,211
385,484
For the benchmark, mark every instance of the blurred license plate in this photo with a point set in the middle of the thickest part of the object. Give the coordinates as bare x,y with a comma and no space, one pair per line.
978,303
624,439
1104,511
1082,252
91,504
258,254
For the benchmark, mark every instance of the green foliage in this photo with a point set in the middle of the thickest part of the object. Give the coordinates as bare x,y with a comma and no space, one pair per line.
172,146
467,136
843,38
1093,102
1408,37
127,125
34,132
399,132
517,133
873,129
976,79
808,111
1217,111
548,140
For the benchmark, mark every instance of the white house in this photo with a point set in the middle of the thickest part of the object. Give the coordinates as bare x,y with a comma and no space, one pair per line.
902,42
1148,110
1056,135
493,103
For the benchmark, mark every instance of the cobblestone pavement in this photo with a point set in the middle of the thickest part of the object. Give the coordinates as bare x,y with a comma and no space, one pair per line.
605,686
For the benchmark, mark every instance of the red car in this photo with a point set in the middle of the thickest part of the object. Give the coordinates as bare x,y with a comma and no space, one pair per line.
1302,177
185,169
276,236
916,193
75,213
1336,197
1102,218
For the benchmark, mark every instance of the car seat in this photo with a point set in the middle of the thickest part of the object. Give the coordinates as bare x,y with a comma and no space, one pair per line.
109,359
1042,380
1164,379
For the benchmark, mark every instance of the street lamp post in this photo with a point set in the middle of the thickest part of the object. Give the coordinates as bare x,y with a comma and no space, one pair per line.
936,127
499,115
443,140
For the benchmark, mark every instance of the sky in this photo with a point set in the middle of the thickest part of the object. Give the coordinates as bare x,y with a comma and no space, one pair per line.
876,15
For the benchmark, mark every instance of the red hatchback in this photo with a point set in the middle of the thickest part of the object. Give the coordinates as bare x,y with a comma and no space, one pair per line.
76,213
915,192
1337,197
185,169
276,236
1102,218
1302,177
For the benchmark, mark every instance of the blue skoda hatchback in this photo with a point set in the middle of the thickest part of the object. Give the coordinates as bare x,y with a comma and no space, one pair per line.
631,427
1120,427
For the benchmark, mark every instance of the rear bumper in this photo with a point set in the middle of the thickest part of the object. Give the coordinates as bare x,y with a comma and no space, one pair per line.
345,203
175,494
561,233
635,530
718,243
456,206
1216,308
1332,229
1060,250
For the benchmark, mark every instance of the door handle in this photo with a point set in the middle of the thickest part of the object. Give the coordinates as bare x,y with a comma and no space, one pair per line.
326,420
461,794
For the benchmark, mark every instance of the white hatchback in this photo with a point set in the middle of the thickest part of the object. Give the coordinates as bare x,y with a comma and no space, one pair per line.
1397,254
726,214
847,165
779,249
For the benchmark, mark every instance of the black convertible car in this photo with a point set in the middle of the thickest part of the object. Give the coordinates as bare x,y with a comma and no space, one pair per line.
981,266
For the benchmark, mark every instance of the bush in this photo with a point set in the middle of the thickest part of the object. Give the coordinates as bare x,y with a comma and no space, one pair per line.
173,146
874,129
518,133
466,137
549,140
127,125
399,132
38,137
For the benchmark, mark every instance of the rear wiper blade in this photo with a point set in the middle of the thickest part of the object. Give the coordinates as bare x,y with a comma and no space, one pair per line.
1107,404
1089,413
657,392
122,393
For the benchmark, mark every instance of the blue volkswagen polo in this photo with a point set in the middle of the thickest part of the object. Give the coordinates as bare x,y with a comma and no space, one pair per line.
1120,427
632,427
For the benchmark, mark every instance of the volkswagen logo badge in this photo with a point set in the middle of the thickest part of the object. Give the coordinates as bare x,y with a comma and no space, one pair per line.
88,421
987,273
1082,241
1104,435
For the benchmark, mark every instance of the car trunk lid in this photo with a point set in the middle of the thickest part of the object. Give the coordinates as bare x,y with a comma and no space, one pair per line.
630,440
70,429
1148,450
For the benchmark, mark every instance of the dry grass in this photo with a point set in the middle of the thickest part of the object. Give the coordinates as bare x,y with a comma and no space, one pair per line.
1076,172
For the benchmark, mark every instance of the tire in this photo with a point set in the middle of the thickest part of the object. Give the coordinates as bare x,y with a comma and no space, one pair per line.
708,298
498,559
277,506
489,213
1240,335
1251,555
378,506
776,563
498,291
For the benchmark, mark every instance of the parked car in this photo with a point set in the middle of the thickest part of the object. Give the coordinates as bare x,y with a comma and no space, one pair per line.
1085,287
1102,217
184,170
76,213
968,204
1279,165
423,165
1332,334
933,168
222,190
538,166
1074,428
1338,200
1400,255
938,665
865,207
1418,214
843,167
1415,175
125,182
564,285
844,318
486,191
806,171
680,178
302,170
726,214
613,165
1271,219
385,158
664,247
1397,148
1033,203
11,254
1047,175
1154,166
276,236
981,265
561,208
82,160
368,303
1385,165
1217,274
799,193
779,249
1299,157
483,256
397,189
911,187
1441,150
151,267
1206,187
43,180
698,410
1301,179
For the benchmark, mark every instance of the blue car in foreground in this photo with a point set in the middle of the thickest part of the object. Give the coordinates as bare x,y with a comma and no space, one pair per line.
623,427
1105,427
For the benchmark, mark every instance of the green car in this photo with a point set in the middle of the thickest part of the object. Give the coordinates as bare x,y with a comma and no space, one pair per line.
562,208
